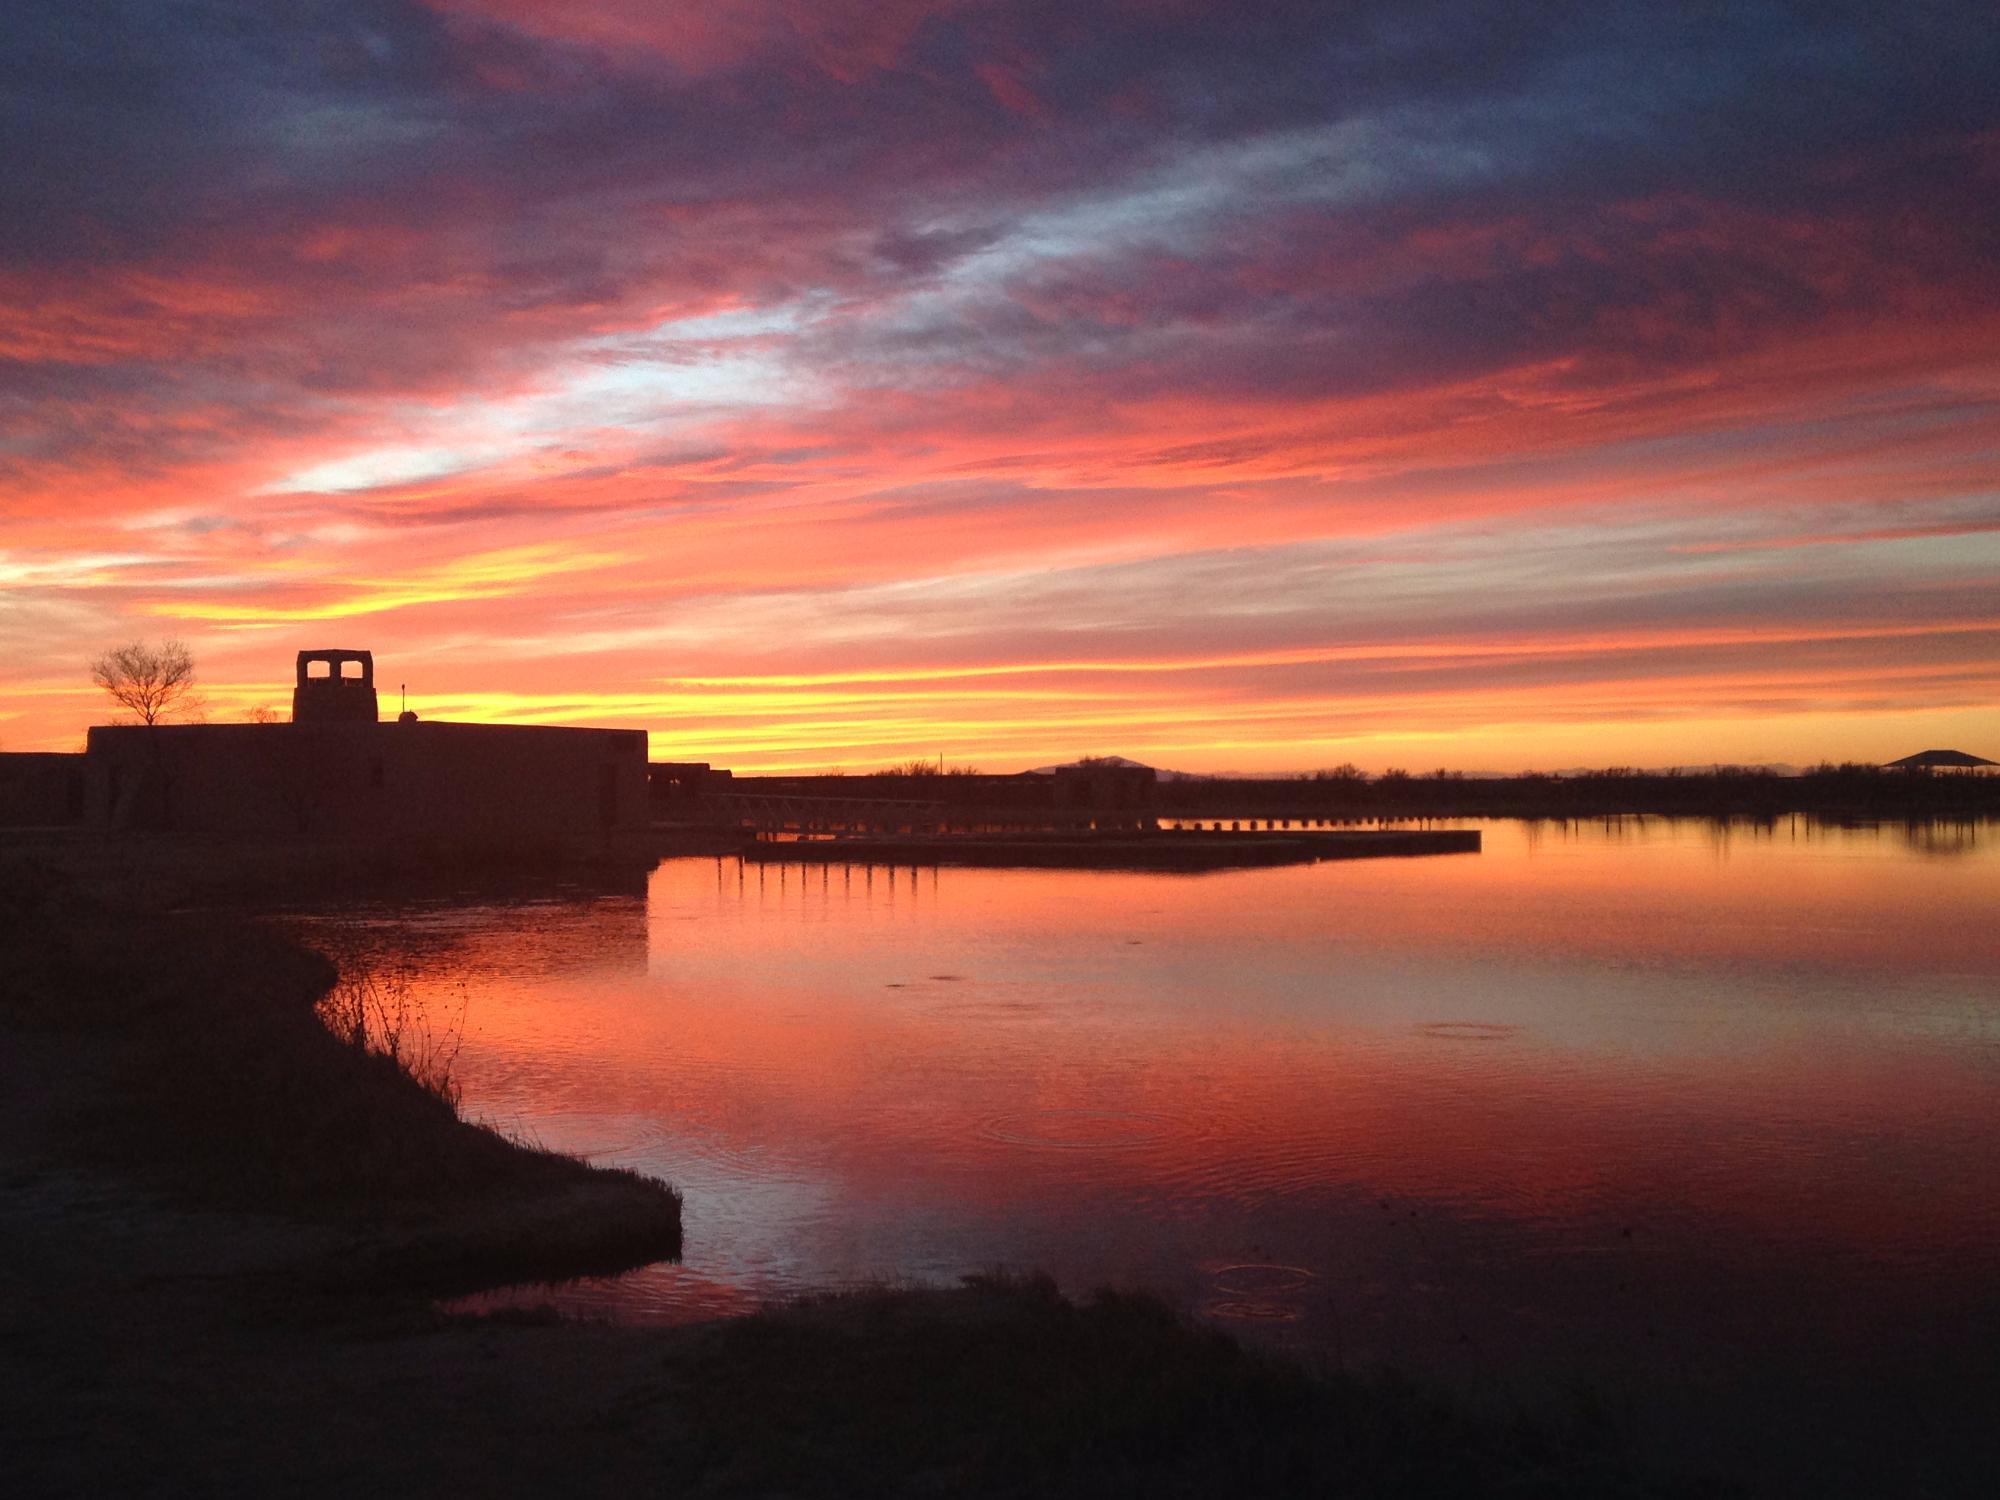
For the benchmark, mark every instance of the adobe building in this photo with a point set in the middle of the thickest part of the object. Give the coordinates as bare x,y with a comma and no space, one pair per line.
1107,794
41,789
338,773
1104,796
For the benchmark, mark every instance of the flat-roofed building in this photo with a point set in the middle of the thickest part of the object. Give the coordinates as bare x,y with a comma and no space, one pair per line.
338,773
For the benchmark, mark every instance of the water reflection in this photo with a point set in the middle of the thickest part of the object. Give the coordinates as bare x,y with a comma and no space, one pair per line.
1615,1100
1940,837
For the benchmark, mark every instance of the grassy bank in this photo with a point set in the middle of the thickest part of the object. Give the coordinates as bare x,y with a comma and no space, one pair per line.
189,1056
1004,1387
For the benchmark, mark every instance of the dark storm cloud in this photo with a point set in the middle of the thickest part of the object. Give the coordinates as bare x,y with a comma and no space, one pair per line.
282,203
134,116
132,123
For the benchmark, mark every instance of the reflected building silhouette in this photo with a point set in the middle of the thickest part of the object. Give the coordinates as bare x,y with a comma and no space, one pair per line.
491,946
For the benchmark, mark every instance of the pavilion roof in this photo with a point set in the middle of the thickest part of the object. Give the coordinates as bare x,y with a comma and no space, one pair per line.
1926,759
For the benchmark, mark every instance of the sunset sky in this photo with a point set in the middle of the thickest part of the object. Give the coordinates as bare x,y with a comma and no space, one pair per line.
823,383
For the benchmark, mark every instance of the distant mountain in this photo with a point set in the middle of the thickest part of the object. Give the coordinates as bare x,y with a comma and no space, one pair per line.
1115,760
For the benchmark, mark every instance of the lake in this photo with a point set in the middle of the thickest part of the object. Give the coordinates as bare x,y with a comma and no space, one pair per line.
1697,1118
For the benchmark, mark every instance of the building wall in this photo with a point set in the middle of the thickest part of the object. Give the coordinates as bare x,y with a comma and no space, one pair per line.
1026,791
41,790
1109,789
677,786
471,785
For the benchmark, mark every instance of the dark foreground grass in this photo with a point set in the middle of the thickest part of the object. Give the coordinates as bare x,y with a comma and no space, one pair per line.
1005,1388
195,1059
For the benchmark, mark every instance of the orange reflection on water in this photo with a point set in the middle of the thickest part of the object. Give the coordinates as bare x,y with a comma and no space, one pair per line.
1776,1036
1663,1107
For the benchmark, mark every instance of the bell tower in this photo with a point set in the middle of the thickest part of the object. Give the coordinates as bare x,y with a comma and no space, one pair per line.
335,687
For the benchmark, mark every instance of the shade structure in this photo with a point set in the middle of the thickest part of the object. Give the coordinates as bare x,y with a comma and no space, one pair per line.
1937,760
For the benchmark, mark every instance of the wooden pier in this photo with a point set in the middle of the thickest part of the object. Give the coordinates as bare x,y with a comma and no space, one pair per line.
1164,850
1002,822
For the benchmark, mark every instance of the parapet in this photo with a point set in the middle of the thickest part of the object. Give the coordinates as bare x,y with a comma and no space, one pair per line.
335,687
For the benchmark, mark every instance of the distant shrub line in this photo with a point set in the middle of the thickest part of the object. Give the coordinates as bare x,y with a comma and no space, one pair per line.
1835,790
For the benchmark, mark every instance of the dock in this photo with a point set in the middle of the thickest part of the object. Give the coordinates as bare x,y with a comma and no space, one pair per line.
1164,850
1085,817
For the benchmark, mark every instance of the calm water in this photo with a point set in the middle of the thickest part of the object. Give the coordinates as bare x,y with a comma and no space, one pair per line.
1703,1118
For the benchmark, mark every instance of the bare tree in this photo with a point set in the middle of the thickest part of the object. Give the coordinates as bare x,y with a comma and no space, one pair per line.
148,682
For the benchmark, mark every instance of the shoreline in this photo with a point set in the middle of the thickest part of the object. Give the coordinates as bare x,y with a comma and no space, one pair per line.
194,1303
186,1057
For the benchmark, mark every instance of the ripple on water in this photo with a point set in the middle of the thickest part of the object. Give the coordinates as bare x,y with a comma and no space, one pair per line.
996,1016
1251,1310
1260,1279
1076,1129
749,1161
1259,1292
956,998
1469,1031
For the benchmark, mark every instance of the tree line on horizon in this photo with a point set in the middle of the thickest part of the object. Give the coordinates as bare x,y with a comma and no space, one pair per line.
1850,787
